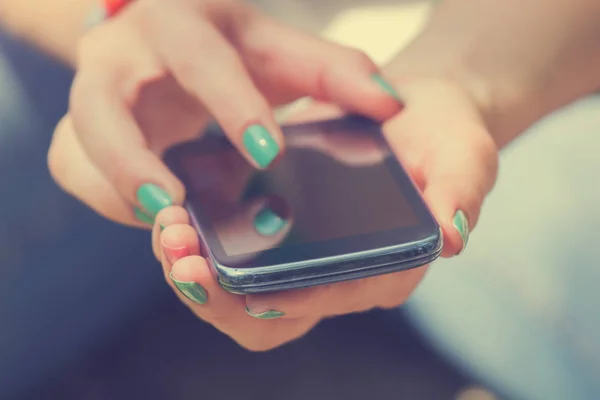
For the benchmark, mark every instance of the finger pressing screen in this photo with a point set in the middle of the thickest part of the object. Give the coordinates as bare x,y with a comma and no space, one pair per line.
210,69
107,130
306,65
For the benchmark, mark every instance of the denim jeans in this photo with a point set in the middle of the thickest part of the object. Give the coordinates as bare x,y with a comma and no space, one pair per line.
53,294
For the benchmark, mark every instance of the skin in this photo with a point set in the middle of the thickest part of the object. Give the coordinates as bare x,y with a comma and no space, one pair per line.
475,79
444,189
123,102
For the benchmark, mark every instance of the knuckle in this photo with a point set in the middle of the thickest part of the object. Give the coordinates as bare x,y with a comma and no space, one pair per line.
94,49
327,75
187,65
89,83
231,15
118,169
360,58
147,14
262,53
110,61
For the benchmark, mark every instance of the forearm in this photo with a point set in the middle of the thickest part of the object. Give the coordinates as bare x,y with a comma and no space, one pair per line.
520,59
52,25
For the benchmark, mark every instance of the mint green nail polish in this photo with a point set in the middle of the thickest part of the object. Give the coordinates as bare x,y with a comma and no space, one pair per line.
191,290
153,198
461,224
267,223
389,89
271,314
261,145
142,216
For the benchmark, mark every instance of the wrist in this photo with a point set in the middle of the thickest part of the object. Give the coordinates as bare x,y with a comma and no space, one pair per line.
515,66
492,98
53,26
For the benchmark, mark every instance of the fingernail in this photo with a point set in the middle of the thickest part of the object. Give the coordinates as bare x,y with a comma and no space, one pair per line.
192,290
174,254
389,89
142,216
268,314
260,145
461,224
153,199
267,223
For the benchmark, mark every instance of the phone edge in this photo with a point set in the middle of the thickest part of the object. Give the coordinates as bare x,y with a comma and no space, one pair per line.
233,280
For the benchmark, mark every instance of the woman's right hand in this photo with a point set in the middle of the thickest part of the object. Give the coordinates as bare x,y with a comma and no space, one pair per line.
160,70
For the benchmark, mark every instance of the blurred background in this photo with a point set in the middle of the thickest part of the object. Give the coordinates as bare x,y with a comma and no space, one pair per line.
85,313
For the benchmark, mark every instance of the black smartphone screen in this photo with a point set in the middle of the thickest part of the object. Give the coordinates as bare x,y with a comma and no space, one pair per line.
337,189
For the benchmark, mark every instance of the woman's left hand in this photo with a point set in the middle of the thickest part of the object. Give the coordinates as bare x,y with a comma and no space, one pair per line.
441,140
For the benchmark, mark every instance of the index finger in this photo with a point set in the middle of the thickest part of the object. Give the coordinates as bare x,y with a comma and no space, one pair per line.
281,56
210,69
105,125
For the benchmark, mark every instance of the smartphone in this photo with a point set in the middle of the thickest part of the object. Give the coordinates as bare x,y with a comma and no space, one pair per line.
337,205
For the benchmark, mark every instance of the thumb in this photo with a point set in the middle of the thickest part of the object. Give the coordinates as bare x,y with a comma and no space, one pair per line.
441,141
455,187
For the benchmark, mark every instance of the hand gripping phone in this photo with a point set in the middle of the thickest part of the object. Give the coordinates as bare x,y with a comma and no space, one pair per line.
336,206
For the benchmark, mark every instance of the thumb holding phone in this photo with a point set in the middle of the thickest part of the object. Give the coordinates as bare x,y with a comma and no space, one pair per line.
128,106
441,141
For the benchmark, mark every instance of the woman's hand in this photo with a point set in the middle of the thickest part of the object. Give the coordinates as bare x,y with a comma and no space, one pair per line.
160,70
440,139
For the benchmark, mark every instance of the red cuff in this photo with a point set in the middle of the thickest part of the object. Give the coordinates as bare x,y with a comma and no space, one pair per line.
112,7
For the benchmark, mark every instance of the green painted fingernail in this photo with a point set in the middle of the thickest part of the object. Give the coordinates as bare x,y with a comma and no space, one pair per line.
270,314
153,198
461,224
191,290
389,89
267,223
260,145
142,216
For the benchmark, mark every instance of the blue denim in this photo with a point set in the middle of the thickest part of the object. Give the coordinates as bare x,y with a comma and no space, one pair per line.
519,308
56,300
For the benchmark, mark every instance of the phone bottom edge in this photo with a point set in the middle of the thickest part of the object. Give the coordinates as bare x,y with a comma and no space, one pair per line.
334,278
